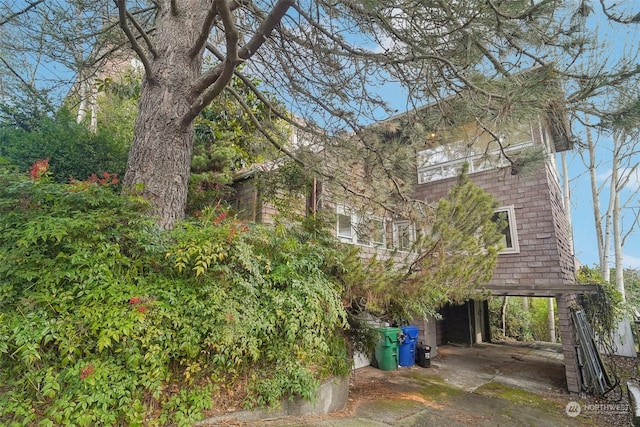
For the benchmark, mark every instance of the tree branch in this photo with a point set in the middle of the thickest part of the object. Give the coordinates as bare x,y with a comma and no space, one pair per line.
143,34
122,15
634,20
525,14
249,84
261,129
415,266
265,28
29,86
207,24
211,84
20,12
632,227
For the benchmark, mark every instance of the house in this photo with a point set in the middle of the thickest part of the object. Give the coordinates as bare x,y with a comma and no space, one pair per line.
517,166
537,259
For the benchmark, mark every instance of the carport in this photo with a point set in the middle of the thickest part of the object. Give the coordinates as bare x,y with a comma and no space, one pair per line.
536,367
468,323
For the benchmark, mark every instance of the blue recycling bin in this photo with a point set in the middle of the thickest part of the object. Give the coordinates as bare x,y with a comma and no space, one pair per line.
407,350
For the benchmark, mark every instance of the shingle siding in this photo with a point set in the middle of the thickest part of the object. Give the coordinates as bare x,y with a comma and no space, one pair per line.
545,255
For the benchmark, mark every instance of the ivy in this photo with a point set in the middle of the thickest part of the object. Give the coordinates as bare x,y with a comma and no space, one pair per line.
605,308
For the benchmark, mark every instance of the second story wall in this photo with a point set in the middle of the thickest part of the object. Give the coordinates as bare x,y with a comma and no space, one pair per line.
540,251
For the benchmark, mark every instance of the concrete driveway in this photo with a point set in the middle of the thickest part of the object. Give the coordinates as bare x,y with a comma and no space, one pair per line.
484,385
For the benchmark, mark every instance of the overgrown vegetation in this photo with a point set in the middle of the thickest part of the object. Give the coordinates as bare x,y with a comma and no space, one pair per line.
73,150
452,258
522,322
107,320
604,309
517,321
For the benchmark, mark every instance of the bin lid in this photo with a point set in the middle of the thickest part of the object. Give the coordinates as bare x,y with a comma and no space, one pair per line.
389,332
411,330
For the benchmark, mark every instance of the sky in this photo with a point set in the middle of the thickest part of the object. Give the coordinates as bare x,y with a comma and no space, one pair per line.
619,41
581,206
585,240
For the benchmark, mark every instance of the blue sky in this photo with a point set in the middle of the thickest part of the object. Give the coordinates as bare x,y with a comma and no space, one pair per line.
585,242
618,42
582,211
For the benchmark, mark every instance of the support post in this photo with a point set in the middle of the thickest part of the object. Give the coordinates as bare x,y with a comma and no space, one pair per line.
568,343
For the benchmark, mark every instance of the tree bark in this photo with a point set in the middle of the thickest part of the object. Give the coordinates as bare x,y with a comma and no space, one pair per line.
603,255
626,346
175,90
160,156
551,320
503,315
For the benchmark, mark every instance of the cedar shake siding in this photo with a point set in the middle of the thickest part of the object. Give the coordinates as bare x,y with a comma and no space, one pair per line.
545,256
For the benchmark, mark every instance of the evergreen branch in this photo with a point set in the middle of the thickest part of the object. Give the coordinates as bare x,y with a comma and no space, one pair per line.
252,87
414,266
331,36
496,64
109,52
346,186
634,20
261,128
496,139
258,93
266,27
211,84
523,15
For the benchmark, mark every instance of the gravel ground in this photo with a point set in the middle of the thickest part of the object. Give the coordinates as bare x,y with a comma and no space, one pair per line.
613,408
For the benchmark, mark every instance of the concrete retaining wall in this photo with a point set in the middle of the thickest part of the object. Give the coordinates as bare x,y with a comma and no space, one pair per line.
332,396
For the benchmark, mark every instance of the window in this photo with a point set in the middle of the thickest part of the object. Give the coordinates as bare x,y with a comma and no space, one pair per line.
506,215
345,228
404,235
352,228
445,161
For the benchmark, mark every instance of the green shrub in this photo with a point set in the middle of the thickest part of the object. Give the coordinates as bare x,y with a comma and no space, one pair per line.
540,319
73,150
107,320
518,320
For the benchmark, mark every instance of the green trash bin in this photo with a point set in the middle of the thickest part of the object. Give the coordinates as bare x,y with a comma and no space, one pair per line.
387,348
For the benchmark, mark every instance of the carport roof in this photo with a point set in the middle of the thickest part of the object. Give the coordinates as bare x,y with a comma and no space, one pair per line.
532,290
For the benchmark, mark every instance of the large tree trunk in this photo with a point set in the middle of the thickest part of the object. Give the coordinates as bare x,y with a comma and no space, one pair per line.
160,157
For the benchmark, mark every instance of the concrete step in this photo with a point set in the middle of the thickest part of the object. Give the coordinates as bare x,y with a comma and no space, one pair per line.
634,400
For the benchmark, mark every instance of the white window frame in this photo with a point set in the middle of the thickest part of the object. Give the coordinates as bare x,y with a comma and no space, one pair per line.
352,236
451,168
512,228
408,226
342,210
